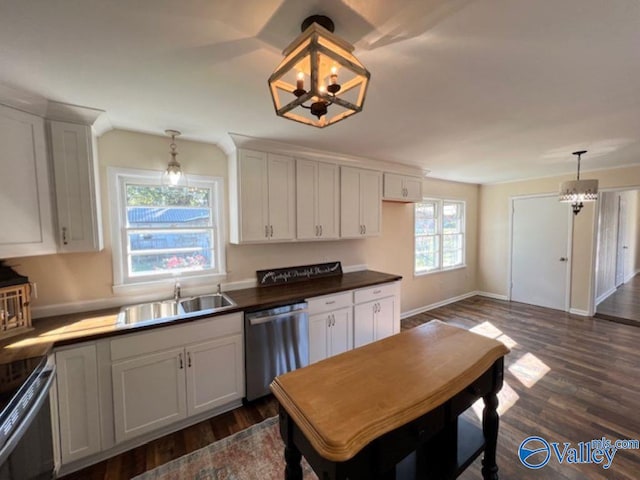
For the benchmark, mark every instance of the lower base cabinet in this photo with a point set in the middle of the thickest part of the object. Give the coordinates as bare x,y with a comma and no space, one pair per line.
78,403
373,321
330,333
158,388
148,393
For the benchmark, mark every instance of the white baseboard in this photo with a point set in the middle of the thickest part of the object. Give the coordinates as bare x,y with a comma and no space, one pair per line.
442,303
631,275
604,296
576,311
495,296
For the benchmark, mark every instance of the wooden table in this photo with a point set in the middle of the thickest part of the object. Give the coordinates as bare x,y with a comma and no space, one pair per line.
390,409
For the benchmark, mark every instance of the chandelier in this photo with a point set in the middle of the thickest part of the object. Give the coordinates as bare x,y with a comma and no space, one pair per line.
319,82
173,175
578,191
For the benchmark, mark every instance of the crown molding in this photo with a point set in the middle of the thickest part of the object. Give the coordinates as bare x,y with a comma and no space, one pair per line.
271,146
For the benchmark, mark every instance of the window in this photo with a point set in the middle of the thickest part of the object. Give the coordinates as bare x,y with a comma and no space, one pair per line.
161,231
439,235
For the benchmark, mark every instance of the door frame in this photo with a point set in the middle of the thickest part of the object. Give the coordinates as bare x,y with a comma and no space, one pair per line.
570,219
595,242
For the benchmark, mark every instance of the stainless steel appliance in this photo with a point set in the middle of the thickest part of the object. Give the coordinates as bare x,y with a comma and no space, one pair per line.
26,441
276,342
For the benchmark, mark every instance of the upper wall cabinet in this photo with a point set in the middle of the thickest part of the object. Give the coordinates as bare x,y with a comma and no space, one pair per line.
26,224
402,188
77,188
262,197
360,202
317,200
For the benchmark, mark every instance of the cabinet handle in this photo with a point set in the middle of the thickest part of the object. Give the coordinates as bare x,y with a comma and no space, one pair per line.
321,231
266,231
64,236
271,230
180,362
329,320
334,319
189,359
330,302
365,229
361,230
316,230
377,292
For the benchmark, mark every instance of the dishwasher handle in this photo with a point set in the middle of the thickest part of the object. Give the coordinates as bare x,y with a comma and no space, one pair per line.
271,318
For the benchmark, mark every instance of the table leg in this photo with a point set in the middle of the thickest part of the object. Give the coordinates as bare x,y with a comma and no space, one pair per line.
292,457
490,423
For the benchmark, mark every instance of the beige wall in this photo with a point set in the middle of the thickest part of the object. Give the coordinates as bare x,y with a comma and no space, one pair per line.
493,243
88,277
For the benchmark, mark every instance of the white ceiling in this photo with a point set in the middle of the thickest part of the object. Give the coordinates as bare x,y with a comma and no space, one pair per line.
472,90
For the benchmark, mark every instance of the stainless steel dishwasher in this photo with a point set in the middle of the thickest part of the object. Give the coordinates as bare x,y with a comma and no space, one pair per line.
276,342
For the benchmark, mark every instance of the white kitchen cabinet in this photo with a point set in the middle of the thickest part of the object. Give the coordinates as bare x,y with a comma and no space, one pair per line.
330,325
74,153
214,373
376,313
317,200
26,217
148,393
402,188
262,197
170,374
78,402
360,202
330,333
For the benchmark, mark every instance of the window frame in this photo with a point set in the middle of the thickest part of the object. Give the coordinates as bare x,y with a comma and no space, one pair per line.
439,207
123,282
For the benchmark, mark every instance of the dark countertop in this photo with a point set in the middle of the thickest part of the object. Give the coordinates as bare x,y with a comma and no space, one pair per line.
80,327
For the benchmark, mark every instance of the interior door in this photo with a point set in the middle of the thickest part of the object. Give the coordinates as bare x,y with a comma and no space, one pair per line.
539,252
622,235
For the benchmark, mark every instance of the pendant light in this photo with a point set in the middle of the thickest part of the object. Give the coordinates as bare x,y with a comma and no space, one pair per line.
319,82
576,192
173,176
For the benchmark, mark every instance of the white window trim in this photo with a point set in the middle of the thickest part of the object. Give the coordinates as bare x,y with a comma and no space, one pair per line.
441,269
149,285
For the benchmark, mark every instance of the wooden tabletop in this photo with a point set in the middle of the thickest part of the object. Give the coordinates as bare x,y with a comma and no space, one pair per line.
343,403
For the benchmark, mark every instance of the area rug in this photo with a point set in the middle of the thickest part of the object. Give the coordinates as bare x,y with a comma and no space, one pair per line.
256,453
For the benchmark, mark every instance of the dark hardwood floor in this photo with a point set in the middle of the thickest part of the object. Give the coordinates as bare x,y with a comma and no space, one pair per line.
567,379
623,305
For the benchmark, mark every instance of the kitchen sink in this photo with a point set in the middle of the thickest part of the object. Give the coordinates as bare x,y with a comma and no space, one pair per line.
149,311
145,312
214,301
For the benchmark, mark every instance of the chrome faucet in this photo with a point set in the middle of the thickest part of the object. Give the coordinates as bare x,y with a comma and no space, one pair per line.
176,291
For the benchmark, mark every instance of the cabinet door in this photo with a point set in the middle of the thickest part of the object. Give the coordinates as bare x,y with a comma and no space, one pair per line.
282,197
413,189
364,324
318,337
148,393
306,199
253,185
77,197
328,201
371,202
214,373
350,225
26,216
341,331
384,324
78,411
393,186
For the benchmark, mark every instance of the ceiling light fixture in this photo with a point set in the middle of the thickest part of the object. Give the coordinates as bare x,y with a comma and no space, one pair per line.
173,175
317,59
578,191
